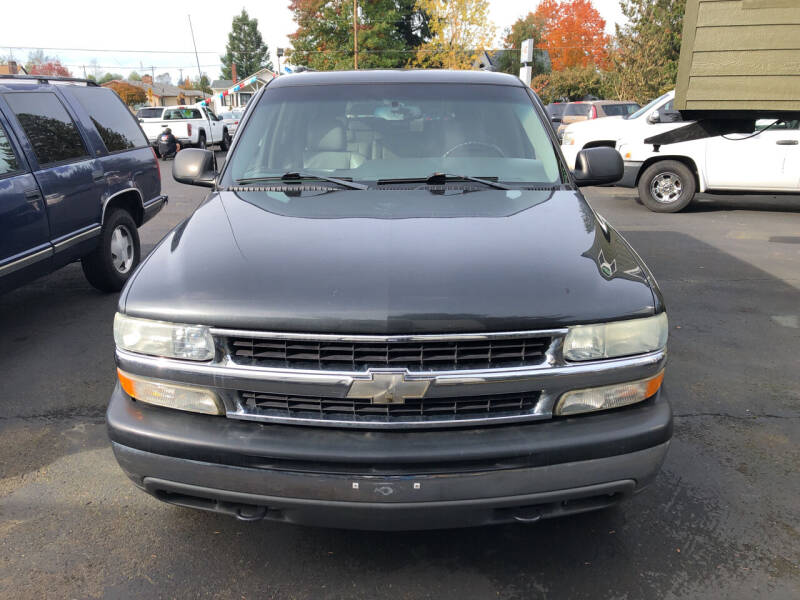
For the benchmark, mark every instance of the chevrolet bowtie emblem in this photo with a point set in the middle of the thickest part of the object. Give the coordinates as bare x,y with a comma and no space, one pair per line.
388,387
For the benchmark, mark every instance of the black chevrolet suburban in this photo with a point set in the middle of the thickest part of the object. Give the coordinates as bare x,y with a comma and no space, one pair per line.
395,310
77,178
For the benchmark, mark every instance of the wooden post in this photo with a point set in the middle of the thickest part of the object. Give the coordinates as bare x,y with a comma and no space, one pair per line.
355,34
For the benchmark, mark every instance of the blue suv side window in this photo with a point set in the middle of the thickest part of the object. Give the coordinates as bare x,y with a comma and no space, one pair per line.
8,160
50,130
113,121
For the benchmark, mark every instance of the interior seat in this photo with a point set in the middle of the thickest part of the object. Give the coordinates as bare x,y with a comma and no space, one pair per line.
326,147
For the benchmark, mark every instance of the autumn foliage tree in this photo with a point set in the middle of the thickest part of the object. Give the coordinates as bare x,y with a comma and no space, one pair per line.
130,94
52,68
460,30
574,33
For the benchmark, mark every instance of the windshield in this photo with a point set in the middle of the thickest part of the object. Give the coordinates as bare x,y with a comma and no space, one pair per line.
647,107
578,110
395,131
149,113
616,110
556,110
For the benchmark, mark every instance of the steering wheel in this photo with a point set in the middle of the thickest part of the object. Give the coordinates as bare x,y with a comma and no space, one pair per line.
474,143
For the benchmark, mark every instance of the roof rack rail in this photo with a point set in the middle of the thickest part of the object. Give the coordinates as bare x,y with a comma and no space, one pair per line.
48,78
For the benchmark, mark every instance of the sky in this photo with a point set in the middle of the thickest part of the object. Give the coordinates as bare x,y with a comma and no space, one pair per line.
157,35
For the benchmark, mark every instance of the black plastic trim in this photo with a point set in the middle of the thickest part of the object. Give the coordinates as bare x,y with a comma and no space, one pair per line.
236,443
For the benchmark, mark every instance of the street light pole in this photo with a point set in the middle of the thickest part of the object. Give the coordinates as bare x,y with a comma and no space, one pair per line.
355,34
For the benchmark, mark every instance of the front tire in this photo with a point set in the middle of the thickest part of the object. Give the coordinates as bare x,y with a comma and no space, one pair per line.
226,141
201,141
117,254
667,186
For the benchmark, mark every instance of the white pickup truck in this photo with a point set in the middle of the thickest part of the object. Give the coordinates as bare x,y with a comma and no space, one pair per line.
194,125
767,161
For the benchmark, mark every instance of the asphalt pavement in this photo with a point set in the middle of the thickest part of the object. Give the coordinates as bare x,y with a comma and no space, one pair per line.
722,519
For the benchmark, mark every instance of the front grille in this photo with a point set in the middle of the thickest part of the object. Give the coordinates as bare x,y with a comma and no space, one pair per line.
354,410
414,355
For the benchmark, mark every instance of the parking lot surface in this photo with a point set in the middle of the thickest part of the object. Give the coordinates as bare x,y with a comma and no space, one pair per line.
722,520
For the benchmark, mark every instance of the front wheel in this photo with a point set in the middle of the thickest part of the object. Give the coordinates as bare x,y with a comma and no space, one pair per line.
226,141
667,186
201,141
117,254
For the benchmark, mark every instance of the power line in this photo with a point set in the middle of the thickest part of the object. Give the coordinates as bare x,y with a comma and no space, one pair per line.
107,50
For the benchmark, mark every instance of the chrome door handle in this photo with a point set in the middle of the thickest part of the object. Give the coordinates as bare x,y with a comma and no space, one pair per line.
787,142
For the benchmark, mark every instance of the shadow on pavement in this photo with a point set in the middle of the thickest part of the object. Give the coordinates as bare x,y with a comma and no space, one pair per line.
719,521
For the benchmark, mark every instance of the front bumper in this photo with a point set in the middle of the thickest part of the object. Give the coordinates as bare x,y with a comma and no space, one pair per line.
390,479
631,172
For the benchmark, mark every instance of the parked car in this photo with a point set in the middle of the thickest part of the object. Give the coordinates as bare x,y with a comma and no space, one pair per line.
555,111
667,180
395,317
231,120
655,117
575,112
77,179
195,125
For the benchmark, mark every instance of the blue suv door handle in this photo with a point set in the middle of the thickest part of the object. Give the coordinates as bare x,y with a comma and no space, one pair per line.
98,175
32,194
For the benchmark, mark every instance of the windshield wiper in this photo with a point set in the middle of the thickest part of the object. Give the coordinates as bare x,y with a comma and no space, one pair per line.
443,178
295,176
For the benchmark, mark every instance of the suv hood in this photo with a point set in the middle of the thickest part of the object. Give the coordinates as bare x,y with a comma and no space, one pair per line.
391,262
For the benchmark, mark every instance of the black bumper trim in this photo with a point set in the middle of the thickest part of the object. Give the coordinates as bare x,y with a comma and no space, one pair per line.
631,172
310,449
153,207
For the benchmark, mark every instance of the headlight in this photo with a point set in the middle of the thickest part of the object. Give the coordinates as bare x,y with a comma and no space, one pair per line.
567,139
620,338
157,338
170,395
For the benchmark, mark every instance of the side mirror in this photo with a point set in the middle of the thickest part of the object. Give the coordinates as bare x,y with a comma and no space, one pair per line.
598,166
194,167
670,116
654,117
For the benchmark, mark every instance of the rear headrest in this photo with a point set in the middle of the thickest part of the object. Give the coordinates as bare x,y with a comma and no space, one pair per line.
326,135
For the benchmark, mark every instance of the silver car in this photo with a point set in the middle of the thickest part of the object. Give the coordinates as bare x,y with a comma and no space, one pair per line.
231,120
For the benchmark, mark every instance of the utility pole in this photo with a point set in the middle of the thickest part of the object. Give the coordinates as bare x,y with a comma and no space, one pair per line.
153,73
181,76
355,34
84,71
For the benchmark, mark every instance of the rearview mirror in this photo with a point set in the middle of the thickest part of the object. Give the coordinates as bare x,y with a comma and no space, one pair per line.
194,167
598,166
654,117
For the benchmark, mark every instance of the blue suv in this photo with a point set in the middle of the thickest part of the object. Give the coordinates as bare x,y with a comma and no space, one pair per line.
77,179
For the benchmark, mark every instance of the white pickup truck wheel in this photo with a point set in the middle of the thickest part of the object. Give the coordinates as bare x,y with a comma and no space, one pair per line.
667,186
201,140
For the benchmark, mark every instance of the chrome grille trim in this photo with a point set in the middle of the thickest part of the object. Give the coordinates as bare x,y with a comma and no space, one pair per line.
552,378
422,337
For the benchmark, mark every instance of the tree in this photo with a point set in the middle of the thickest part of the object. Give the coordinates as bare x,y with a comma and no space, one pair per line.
53,68
164,78
41,64
202,83
130,94
134,76
109,77
460,31
245,47
524,28
569,84
574,33
388,31
645,57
